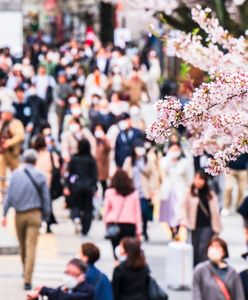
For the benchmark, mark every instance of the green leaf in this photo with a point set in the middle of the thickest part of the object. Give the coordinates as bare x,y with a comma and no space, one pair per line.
195,31
184,70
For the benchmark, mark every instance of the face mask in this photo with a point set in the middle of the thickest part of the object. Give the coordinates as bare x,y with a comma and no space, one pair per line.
123,125
99,134
140,151
95,100
119,256
69,281
74,128
76,112
175,154
214,254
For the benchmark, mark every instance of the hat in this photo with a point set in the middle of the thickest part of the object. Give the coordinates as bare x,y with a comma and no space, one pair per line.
7,108
124,116
245,255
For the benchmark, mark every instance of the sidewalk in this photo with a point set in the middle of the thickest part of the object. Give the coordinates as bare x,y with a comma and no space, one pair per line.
55,250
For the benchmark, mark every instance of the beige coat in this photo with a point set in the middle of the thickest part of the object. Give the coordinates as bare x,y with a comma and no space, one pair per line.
189,212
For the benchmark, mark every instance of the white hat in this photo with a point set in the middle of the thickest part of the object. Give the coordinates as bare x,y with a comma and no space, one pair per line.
8,108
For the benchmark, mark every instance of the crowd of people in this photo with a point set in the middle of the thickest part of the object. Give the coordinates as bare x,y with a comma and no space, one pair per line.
75,112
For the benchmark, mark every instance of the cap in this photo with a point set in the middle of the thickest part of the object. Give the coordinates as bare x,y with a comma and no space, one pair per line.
245,255
8,108
124,116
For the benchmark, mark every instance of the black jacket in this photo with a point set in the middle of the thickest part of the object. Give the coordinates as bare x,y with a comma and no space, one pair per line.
83,291
129,283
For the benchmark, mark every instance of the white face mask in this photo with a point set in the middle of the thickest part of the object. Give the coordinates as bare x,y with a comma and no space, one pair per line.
175,154
140,151
214,254
74,128
123,125
76,112
99,134
118,254
69,281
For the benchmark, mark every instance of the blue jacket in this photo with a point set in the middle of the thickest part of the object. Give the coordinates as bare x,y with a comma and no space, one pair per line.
124,144
103,287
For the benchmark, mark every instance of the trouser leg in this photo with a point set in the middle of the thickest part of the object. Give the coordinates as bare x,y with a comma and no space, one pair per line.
242,180
86,216
229,182
20,223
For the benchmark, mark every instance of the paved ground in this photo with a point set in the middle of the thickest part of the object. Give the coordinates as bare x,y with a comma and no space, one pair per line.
55,250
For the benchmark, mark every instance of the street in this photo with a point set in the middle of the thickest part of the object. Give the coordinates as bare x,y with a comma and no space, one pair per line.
55,250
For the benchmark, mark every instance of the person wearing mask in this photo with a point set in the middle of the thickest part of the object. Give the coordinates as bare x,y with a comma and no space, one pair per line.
122,207
90,254
28,194
81,185
138,168
118,106
46,162
62,93
201,215
177,175
74,287
95,81
130,278
71,138
12,135
103,149
125,140
215,279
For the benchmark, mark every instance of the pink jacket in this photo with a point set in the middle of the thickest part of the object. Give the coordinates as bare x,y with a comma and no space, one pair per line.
131,211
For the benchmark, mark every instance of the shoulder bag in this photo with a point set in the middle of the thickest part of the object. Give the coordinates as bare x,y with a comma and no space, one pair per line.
56,189
155,292
222,287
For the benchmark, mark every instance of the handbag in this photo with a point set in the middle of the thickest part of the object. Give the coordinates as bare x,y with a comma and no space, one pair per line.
222,287
49,92
243,209
113,230
56,189
155,292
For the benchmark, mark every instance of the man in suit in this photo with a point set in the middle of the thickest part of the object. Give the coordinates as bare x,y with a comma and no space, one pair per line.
74,285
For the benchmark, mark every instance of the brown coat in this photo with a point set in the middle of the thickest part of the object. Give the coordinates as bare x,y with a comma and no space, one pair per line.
134,88
189,212
103,149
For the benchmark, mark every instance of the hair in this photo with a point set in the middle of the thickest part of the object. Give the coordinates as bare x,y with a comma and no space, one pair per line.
39,143
222,244
204,192
91,251
30,156
79,264
122,183
135,256
84,148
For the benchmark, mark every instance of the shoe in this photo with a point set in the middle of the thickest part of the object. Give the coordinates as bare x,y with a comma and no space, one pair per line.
146,237
27,287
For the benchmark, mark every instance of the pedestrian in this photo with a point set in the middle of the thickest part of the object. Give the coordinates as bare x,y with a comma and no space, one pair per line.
46,162
130,278
28,194
125,139
103,149
74,287
81,185
11,137
176,174
215,279
201,215
122,207
244,276
90,254
139,168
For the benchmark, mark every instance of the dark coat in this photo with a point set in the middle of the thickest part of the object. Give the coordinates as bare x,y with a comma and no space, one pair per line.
129,283
83,291
244,278
124,144
102,286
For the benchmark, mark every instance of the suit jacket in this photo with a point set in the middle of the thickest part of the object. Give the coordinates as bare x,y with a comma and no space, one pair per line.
83,291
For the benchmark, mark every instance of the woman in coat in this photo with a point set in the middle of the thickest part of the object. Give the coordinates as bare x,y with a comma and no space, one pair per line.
130,278
201,215
176,174
81,184
90,254
103,149
122,207
215,279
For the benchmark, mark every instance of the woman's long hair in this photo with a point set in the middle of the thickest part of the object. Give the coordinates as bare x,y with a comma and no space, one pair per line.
122,183
84,148
135,256
205,191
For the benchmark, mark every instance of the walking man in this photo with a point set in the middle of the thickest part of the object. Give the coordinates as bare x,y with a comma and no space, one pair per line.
28,194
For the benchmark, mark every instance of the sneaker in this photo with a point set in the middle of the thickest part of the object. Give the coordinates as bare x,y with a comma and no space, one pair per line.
225,212
27,287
